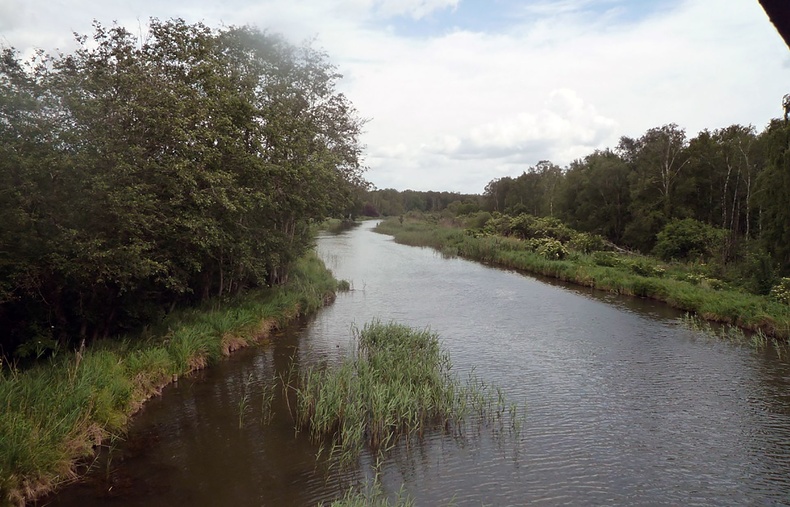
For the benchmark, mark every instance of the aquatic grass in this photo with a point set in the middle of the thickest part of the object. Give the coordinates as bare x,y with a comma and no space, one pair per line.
733,334
57,413
371,494
244,406
621,274
267,398
398,383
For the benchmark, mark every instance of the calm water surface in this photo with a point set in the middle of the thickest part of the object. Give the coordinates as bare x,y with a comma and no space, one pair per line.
624,406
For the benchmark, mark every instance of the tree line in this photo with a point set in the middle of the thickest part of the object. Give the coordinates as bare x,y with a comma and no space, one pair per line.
721,198
391,202
731,184
139,172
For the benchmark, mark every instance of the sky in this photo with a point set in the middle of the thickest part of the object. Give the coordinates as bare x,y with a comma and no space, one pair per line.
460,92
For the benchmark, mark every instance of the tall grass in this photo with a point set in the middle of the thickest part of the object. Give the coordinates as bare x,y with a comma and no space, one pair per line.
640,278
337,225
756,340
371,495
399,383
58,412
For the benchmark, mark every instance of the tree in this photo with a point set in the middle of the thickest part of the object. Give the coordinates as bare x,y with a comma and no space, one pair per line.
138,175
596,195
774,185
656,160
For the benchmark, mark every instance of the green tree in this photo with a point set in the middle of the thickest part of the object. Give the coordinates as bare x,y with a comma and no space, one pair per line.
139,175
596,195
774,185
656,160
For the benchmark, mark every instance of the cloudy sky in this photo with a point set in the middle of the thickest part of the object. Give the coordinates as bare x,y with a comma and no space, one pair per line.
459,92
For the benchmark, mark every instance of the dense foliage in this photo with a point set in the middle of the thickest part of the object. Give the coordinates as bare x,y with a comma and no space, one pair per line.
56,412
720,198
137,173
390,202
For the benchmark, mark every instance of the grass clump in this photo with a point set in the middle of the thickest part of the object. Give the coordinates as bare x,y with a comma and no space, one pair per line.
398,383
371,495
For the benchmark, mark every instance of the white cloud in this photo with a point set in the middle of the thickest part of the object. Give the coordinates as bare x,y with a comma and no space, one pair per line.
455,109
564,122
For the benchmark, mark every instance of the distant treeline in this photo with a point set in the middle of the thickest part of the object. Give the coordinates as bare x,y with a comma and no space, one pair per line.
390,202
142,171
730,186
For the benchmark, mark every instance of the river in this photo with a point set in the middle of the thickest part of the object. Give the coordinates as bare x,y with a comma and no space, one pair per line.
623,404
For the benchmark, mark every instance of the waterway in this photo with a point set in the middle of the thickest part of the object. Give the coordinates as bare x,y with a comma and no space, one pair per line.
622,403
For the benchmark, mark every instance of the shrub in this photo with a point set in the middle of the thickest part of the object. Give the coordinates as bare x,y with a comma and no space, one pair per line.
643,267
688,239
550,227
781,291
478,220
608,259
551,249
586,243
498,224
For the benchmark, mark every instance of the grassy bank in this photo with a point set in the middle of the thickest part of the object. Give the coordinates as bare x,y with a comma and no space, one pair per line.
337,225
623,274
54,415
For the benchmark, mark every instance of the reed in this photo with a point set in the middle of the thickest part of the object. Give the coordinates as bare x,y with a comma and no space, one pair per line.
371,494
54,415
398,383
733,334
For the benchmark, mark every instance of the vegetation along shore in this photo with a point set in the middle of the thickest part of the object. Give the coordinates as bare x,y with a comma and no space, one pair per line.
548,247
159,200
55,414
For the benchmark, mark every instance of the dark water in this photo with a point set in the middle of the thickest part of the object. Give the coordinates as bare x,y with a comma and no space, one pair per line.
624,406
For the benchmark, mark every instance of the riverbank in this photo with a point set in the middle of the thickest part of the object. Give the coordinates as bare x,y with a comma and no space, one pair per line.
55,415
609,271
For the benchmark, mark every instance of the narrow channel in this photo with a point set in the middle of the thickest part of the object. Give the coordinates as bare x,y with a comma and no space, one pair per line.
624,405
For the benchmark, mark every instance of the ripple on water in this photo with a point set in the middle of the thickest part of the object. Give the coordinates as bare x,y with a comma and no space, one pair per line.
623,406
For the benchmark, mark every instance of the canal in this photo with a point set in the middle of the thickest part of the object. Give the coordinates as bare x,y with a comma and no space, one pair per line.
623,403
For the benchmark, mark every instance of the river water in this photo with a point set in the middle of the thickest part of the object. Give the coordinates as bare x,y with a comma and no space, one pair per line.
623,405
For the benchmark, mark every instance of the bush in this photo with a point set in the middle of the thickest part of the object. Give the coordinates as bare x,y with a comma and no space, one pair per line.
642,267
498,224
688,239
477,220
608,259
551,249
757,273
586,243
781,291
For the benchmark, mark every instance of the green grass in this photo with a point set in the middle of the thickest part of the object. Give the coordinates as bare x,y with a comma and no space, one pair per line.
56,413
337,225
622,274
399,383
371,495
